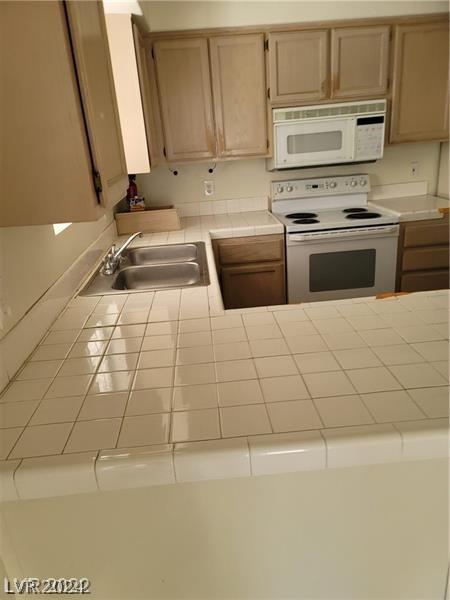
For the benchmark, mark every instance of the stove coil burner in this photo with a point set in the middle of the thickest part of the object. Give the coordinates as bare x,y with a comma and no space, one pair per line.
364,215
301,215
306,221
355,210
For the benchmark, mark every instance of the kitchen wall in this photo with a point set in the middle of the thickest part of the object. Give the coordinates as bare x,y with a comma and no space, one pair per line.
247,178
170,15
33,258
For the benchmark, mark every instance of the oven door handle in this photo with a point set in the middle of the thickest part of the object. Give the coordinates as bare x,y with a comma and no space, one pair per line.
349,233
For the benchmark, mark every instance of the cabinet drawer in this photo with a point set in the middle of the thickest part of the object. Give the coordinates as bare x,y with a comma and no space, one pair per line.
426,280
261,250
429,234
419,259
253,285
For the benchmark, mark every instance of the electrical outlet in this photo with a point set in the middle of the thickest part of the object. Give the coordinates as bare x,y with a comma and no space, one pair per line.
209,187
414,168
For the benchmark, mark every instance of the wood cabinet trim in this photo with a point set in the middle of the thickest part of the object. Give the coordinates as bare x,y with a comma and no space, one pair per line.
298,26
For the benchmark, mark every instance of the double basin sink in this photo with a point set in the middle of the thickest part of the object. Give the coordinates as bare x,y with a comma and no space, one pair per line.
153,268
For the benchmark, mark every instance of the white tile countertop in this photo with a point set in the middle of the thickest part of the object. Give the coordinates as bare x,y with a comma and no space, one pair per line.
416,208
162,387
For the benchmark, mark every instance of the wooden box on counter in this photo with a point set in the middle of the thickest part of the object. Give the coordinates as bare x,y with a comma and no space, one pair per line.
148,221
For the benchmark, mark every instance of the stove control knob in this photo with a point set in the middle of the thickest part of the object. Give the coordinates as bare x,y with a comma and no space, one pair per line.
353,183
280,189
333,184
362,182
289,188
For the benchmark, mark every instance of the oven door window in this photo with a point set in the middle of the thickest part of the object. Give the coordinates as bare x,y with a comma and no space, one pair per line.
348,270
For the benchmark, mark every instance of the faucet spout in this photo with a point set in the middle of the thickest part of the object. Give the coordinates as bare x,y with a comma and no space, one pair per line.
125,245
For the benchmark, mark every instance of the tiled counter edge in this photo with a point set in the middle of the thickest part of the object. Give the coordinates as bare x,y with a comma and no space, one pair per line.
119,469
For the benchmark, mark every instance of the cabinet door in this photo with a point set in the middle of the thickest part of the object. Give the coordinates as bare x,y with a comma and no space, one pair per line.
150,102
253,285
420,83
359,61
298,63
239,87
128,92
45,166
90,45
183,76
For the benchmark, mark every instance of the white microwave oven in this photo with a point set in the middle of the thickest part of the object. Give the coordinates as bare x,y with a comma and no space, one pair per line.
328,134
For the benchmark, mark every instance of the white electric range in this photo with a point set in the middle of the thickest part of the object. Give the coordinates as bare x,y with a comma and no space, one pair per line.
337,244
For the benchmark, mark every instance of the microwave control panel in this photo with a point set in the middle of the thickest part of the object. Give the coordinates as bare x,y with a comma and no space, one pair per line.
369,138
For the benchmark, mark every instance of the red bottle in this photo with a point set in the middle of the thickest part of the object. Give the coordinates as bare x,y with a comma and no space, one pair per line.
132,190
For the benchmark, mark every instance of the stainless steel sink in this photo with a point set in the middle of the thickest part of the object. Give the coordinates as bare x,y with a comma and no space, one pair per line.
153,268
158,276
162,254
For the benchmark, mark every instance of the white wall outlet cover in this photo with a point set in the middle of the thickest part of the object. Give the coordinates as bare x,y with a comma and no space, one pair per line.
209,187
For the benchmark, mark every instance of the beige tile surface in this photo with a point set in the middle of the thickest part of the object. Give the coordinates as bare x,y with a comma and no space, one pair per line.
153,378
275,366
57,410
334,383
415,376
233,393
399,354
144,430
25,390
16,414
244,420
357,358
232,350
279,389
434,402
7,440
80,366
118,381
316,362
195,374
103,406
387,407
76,385
271,347
195,355
93,435
235,370
118,362
144,402
376,379
343,410
295,415
192,397
42,440
195,425
40,370
124,346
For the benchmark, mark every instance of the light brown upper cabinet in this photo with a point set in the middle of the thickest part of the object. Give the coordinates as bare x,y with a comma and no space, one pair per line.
359,61
183,77
298,63
420,82
239,88
61,153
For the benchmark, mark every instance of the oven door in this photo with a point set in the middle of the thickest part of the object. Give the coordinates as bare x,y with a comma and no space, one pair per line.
344,264
320,142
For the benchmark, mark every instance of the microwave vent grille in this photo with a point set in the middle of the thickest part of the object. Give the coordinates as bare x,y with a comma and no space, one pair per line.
328,111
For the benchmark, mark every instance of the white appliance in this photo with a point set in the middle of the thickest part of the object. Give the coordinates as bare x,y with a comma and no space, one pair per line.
328,134
337,244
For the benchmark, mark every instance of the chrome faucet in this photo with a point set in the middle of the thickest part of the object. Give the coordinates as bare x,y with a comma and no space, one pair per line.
112,259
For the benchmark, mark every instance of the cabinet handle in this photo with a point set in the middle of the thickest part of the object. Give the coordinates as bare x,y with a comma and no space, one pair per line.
97,182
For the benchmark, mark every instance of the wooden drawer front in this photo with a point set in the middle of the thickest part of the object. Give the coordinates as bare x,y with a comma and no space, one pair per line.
236,252
431,234
419,259
253,285
426,280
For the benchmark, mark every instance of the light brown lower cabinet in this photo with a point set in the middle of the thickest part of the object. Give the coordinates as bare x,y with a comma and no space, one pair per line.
251,270
423,255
